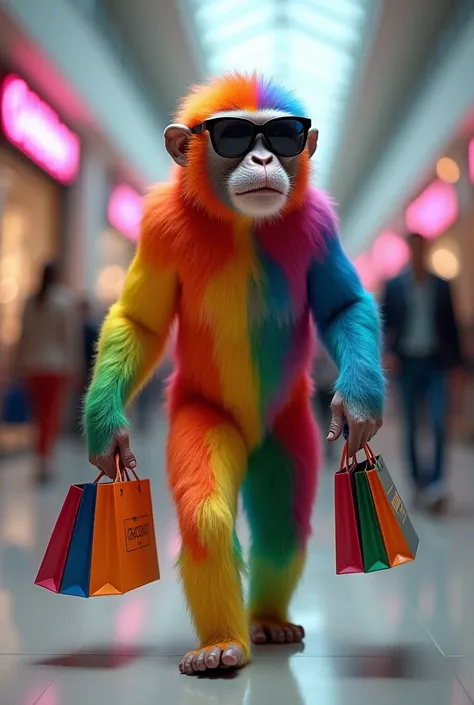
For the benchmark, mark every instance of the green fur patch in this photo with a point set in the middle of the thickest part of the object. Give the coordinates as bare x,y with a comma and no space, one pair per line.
268,501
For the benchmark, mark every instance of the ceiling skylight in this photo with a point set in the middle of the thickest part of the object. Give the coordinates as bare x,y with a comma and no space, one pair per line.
311,46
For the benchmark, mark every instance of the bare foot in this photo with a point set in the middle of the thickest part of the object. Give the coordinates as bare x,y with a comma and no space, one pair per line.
213,658
276,633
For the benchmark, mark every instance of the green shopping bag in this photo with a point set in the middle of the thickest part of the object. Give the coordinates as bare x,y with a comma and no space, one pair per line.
373,547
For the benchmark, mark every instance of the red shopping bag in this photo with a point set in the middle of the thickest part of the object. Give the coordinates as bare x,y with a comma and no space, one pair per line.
348,548
51,570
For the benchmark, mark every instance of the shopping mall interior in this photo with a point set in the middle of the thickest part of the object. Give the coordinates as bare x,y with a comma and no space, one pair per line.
87,88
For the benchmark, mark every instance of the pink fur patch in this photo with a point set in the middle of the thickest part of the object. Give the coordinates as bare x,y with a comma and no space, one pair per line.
296,430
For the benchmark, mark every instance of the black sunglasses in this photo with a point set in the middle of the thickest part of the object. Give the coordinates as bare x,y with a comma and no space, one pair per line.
234,137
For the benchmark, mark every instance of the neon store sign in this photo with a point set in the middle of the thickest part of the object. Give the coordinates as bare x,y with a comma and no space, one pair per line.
124,211
432,213
37,131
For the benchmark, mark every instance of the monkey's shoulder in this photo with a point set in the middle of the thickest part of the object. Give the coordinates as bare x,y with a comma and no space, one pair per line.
161,222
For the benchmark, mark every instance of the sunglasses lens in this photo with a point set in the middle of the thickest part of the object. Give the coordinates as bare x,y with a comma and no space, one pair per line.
232,137
286,137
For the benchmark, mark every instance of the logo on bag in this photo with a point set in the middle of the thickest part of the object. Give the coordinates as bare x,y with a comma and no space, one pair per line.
137,532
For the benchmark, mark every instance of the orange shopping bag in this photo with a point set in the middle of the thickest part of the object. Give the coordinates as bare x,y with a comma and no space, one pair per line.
124,555
400,538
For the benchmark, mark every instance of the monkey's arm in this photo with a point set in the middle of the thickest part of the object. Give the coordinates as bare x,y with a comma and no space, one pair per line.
348,325
132,341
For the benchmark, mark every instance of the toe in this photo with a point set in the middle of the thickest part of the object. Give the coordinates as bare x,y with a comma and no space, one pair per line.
200,661
298,633
258,635
213,657
232,656
277,635
188,664
181,666
289,638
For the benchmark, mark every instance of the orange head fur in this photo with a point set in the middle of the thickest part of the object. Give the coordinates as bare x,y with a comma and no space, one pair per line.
232,92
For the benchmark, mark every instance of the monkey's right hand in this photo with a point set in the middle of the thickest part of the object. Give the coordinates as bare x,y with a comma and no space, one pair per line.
106,461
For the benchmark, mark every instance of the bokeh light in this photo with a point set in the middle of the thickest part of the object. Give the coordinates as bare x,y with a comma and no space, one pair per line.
390,254
444,260
110,282
434,211
367,272
471,160
447,170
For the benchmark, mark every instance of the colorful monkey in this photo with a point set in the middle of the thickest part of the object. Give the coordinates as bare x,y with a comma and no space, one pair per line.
244,253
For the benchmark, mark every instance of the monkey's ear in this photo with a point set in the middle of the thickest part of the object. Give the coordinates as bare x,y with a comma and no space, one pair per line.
176,140
312,142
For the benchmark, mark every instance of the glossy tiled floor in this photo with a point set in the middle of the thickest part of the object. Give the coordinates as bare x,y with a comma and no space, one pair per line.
403,636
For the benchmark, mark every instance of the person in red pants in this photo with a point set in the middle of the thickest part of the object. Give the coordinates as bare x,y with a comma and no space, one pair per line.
49,359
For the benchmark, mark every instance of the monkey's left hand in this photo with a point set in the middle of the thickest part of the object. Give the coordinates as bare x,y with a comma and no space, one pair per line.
361,430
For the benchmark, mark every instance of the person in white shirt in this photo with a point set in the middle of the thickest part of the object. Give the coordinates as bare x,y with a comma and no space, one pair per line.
48,359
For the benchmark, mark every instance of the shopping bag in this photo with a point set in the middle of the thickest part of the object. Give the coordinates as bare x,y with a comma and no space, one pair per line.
373,547
348,549
77,570
52,566
400,538
124,554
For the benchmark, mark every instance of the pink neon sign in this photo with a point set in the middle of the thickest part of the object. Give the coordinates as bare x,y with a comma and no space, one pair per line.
36,130
390,254
366,271
124,211
471,160
434,211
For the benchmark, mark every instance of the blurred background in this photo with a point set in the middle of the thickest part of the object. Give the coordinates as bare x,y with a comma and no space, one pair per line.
86,90
89,85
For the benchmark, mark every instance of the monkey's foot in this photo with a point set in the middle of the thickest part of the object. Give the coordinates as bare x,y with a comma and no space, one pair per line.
275,632
213,658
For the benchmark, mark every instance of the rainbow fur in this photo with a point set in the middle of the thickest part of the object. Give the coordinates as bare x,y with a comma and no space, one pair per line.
246,296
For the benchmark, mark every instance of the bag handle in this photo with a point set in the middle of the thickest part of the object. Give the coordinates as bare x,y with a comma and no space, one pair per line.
345,460
121,472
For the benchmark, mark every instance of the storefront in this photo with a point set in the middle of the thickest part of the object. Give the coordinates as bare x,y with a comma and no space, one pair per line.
118,241
39,158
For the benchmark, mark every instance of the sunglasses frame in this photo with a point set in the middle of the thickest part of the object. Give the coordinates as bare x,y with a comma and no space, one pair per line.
257,130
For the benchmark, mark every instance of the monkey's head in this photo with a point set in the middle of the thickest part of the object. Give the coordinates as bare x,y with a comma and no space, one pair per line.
244,145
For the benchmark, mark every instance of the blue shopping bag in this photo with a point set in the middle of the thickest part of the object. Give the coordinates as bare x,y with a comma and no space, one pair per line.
76,575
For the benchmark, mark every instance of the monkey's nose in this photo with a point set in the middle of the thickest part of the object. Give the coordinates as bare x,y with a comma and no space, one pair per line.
262,160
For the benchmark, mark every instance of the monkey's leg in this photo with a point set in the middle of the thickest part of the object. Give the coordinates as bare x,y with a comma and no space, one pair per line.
279,492
207,459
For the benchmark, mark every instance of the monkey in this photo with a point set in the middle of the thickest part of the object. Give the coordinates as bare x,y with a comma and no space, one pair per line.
243,252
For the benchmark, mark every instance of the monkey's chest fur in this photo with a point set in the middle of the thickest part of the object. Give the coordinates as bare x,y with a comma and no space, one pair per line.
247,325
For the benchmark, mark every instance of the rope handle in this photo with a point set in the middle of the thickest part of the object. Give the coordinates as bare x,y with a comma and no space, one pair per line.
121,472
345,460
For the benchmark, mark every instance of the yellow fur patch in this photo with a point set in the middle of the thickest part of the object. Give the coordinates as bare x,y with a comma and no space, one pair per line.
272,588
225,301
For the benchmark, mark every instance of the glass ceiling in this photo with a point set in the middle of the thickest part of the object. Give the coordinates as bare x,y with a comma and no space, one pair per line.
311,46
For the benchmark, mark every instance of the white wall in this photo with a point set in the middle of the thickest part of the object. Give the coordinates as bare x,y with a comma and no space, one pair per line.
78,50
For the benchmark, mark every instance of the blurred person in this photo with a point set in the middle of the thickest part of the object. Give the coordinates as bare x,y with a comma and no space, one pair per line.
48,359
423,345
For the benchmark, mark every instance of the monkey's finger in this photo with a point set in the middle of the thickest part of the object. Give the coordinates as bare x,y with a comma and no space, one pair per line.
128,459
367,434
337,423
356,429
106,464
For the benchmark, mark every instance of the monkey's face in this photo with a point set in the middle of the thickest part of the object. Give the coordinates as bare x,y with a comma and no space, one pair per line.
251,158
